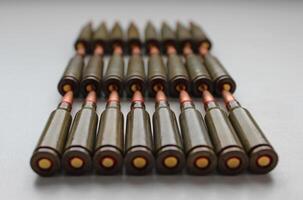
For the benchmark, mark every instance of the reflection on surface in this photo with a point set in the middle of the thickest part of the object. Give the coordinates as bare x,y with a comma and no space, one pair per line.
153,179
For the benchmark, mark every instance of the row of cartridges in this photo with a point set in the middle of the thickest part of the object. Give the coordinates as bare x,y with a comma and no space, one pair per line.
227,142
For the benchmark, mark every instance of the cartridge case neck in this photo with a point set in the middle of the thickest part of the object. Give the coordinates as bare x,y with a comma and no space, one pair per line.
210,105
161,104
113,104
137,104
232,105
187,104
64,105
89,104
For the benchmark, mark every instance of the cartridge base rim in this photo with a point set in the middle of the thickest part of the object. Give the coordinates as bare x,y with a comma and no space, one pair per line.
179,80
67,80
200,152
118,42
111,152
257,153
85,43
139,152
152,42
199,42
134,80
90,80
169,42
232,152
200,80
220,81
170,151
182,43
112,80
77,152
49,154
154,81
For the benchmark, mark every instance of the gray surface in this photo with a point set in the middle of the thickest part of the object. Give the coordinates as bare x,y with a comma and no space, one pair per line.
259,43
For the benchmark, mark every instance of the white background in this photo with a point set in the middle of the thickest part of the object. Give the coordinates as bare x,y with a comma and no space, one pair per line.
259,43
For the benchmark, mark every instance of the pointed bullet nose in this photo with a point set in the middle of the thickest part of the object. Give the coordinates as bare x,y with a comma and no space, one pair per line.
184,97
114,96
137,97
132,31
117,29
160,96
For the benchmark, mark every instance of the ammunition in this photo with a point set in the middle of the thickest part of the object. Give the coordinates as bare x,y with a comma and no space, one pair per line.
198,74
116,37
201,42
79,145
133,37
113,79
177,75
92,75
219,74
70,80
201,157
84,38
168,36
139,158
109,149
168,145
231,157
151,37
184,36
101,37
46,158
263,158
135,77
156,74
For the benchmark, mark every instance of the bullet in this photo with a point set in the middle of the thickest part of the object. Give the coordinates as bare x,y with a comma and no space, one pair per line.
139,158
135,76
133,37
199,75
152,37
262,157
84,38
92,75
199,150
177,75
168,144
232,159
200,38
80,143
184,37
168,36
113,79
46,158
71,78
117,37
157,77
219,74
101,37
109,149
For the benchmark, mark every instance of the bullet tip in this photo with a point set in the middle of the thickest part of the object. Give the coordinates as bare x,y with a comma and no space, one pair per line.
184,97
137,97
207,97
160,96
68,97
113,96
91,97
227,96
